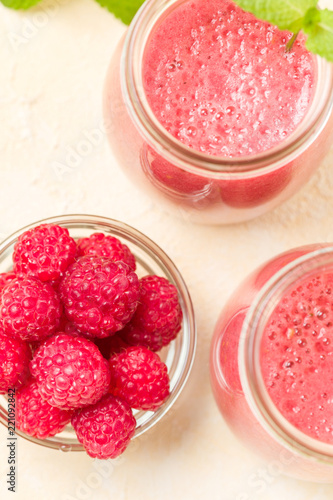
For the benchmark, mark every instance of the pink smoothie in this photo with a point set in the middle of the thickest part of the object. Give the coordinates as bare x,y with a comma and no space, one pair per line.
297,356
221,81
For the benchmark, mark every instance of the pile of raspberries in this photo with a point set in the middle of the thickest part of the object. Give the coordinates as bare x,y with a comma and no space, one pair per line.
79,333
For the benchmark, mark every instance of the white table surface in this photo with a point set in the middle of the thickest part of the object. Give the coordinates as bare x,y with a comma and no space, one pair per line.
53,61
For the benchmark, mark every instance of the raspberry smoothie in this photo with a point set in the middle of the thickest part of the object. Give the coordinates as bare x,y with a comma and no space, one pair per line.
214,117
271,361
297,354
221,81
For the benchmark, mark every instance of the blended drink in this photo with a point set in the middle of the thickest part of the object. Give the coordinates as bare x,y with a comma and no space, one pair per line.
210,114
297,356
272,361
221,81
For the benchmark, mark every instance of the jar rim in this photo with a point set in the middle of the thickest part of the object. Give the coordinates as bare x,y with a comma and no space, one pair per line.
189,159
182,348
255,391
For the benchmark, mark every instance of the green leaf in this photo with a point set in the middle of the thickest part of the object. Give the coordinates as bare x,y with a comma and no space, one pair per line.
19,4
296,15
283,14
320,34
123,9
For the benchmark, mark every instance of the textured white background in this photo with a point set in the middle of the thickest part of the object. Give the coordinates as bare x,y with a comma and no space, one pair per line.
53,61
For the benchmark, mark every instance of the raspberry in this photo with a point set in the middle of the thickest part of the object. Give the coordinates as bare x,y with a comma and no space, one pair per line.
36,417
29,309
70,371
158,317
68,327
44,252
111,345
100,296
106,245
14,363
139,377
6,278
34,346
106,428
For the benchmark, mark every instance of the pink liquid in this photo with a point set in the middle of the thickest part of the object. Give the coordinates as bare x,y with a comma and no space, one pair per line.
297,356
294,358
221,82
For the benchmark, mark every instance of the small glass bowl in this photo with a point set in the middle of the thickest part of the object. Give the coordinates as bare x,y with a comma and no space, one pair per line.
150,259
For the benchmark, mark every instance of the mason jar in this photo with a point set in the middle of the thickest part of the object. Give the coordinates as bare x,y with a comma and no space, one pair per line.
270,362
197,186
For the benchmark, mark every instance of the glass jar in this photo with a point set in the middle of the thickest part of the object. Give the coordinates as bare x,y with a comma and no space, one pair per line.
150,259
238,365
199,187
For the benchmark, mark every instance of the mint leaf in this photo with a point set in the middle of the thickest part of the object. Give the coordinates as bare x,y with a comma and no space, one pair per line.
296,15
283,14
19,4
320,35
123,9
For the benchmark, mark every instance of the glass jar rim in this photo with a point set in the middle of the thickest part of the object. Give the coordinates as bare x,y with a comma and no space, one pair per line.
189,159
251,378
184,358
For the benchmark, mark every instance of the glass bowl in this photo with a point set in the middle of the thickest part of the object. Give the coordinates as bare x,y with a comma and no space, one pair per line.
151,259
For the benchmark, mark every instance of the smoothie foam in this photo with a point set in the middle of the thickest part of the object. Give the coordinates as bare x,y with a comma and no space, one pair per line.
220,81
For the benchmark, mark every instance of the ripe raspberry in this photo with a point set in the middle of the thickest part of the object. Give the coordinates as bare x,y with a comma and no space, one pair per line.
158,317
6,278
139,377
109,346
106,245
44,252
36,417
34,346
29,309
70,371
68,327
99,295
106,428
14,363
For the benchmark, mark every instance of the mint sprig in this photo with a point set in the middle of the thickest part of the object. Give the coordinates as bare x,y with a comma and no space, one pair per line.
296,15
20,4
123,9
320,35
292,15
